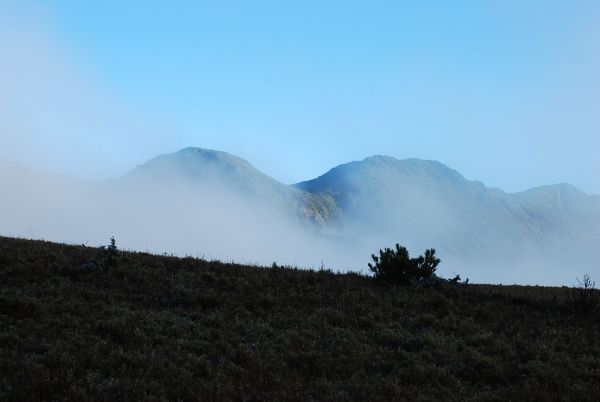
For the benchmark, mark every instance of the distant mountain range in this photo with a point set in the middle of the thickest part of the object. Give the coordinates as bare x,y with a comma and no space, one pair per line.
384,192
381,200
376,202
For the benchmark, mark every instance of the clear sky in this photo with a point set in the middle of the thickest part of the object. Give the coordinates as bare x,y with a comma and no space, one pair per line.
507,92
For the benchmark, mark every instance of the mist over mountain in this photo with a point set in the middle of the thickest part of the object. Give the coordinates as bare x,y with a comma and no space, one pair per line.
208,170
203,202
427,204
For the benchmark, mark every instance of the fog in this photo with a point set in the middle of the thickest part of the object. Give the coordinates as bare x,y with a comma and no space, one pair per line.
212,222
481,234
57,117
60,123
57,114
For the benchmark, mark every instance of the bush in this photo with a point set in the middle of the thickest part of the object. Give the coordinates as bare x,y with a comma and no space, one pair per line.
586,298
397,266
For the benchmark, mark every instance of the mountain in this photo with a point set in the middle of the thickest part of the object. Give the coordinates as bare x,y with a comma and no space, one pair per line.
192,202
557,206
425,203
384,192
208,171
199,201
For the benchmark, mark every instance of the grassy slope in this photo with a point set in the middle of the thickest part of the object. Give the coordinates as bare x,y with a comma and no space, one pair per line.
154,327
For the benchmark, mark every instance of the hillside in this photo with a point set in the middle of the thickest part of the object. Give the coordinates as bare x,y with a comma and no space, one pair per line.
80,323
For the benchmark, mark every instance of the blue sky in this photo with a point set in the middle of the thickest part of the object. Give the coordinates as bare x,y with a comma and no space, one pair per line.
506,92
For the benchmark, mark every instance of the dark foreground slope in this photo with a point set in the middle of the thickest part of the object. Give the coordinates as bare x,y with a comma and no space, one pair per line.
78,323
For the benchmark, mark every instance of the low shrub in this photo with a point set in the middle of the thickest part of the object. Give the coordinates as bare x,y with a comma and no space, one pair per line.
397,266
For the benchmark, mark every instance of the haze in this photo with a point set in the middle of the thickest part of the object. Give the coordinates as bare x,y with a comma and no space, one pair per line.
505,92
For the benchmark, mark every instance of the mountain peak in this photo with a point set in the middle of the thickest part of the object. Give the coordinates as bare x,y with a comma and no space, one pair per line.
195,163
413,163
209,171
379,170
562,188
197,151
209,156
380,158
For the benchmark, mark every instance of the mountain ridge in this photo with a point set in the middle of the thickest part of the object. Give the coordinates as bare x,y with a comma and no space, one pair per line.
426,202
350,211
382,193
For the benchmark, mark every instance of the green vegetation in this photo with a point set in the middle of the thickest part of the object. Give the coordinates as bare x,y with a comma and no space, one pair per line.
397,266
75,327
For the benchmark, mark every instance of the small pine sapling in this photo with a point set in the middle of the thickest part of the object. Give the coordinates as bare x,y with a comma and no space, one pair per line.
397,266
112,252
